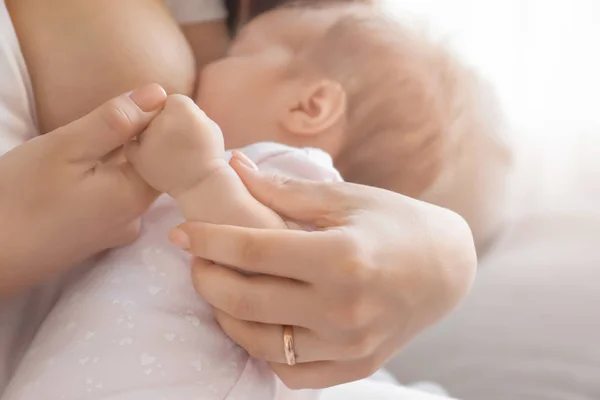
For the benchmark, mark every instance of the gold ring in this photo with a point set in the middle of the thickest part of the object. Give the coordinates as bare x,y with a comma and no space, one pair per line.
288,345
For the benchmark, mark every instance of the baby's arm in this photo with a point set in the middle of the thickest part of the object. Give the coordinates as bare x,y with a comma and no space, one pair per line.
81,53
182,154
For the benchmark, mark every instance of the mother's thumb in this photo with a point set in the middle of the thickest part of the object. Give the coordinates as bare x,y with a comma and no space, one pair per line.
295,199
114,123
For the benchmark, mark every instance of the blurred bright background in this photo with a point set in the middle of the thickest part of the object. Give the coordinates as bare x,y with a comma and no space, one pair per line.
544,55
544,58
530,330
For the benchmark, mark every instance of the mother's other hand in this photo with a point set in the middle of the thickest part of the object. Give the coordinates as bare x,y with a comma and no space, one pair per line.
377,270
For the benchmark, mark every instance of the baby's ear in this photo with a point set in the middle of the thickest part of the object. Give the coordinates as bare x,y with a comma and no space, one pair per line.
319,107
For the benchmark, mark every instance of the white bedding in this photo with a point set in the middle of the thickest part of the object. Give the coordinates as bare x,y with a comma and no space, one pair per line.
373,390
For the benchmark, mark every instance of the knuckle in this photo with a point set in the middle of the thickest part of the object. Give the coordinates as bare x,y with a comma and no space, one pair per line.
241,306
349,318
354,269
117,116
362,347
367,367
293,380
187,123
335,192
250,251
281,181
181,105
255,349
295,384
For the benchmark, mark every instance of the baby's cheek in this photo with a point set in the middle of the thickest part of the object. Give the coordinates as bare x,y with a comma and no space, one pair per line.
207,79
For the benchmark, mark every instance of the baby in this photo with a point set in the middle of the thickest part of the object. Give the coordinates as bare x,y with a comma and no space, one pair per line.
390,108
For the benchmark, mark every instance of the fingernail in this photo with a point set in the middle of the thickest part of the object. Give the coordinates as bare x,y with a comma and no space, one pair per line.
244,160
149,97
179,238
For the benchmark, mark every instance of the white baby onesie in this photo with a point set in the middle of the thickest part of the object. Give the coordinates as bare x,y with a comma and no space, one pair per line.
133,328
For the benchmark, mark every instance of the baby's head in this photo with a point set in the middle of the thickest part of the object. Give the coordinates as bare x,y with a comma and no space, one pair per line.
381,99
391,107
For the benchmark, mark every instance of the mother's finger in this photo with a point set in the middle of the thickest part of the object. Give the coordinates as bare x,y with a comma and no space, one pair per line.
265,342
284,253
258,298
322,204
111,125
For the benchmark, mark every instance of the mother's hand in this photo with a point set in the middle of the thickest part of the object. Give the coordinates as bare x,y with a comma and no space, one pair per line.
378,269
60,202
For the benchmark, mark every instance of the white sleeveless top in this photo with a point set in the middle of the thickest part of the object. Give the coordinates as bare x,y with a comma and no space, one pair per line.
17,115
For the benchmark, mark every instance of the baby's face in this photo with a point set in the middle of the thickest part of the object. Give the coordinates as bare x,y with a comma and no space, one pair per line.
247,91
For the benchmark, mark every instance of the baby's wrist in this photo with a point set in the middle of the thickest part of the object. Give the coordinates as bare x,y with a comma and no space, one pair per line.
222,198
209,197
211,170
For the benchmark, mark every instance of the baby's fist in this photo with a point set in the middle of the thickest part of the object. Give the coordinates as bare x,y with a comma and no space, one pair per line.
178,149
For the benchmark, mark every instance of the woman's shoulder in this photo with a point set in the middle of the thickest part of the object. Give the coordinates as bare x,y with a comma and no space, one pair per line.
193,11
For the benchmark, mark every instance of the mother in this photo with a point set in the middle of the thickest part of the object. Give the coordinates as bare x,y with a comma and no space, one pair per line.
381,268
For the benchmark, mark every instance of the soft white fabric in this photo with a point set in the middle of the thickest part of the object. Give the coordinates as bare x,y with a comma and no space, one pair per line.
192,11
376,390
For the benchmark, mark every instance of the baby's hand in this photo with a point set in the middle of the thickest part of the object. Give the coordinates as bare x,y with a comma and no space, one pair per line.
179,148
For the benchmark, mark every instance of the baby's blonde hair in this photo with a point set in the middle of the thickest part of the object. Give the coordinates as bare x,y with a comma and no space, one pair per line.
405,97
418,121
